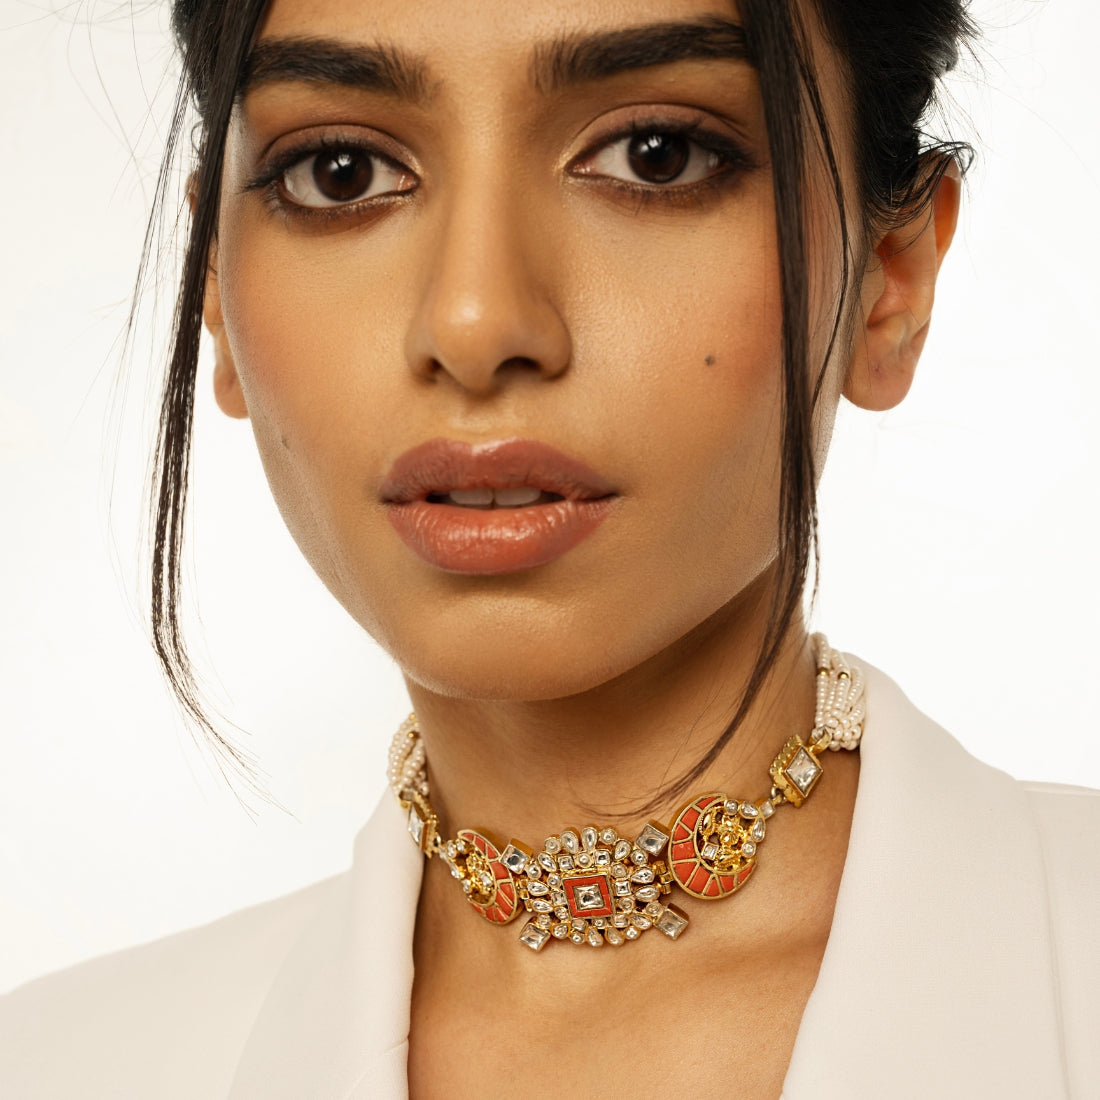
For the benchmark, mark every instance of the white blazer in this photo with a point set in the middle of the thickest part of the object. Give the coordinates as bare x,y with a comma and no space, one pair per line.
963,961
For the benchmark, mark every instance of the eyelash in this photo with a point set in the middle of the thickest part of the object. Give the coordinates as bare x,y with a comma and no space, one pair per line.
732,157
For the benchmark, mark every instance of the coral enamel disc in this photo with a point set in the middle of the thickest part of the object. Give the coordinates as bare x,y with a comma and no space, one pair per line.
492,889
707,852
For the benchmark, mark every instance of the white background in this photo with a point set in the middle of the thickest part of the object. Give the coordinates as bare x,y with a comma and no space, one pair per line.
958,532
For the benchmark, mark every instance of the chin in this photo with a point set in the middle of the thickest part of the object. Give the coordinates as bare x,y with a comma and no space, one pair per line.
502,664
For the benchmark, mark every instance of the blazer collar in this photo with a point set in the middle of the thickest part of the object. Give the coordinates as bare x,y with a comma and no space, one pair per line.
335,1024
936,980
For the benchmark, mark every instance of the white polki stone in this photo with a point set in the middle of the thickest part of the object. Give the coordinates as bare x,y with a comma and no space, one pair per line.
671,922
543,920
538,889
749,810
647,893
609,836
533,870
541,905
588,896
561,912
732,806
619,870
602,857
546,862
767,808
533,936
577,937
569,842
622,849
654,909
565,863
709,851
560,931
584,859
622,888
639,857
748,849
594,938
632,933
640,920
803,771
552,845
589,837
643,875
614,937
620,920
514,859
652,840
758,831
554,879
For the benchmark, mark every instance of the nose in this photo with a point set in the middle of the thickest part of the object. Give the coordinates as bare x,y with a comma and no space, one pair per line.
486,311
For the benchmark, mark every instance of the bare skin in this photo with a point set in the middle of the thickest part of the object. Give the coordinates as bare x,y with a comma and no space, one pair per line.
513,279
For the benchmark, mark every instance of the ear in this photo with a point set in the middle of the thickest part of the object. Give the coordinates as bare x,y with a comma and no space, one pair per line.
898,289
227,385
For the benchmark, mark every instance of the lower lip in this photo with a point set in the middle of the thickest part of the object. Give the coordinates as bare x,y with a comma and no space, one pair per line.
495,540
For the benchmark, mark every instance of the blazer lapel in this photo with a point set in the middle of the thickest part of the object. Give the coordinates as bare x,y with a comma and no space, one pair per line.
937,978
335,1024
936,981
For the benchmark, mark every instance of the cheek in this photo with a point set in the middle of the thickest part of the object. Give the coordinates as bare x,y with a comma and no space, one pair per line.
688,327
308,353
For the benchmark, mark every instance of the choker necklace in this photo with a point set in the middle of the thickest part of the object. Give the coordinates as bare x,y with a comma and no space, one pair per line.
594,886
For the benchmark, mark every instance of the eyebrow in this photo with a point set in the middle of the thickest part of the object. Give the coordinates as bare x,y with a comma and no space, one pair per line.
577,59
373,68
567,61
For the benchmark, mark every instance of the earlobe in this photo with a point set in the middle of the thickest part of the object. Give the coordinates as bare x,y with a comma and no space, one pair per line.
898,291
227,383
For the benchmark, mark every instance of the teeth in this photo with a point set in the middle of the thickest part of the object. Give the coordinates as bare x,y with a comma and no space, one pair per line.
516,498
501,498
472,498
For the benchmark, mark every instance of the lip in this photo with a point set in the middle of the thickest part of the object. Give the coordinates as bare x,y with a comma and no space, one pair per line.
496,540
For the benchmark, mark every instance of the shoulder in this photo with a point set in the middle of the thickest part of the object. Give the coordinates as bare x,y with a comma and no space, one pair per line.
133,1021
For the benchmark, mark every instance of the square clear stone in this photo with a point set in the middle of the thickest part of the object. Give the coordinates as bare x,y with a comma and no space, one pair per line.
416,824
672,922
652,840
533,936
514,859
803,771
588,896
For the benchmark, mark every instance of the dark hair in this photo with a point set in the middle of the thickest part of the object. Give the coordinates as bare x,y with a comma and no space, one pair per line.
893,53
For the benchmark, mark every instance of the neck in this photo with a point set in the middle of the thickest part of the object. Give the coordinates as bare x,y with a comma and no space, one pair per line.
526,769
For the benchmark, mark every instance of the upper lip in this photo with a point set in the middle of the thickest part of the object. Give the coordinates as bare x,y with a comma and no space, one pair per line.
442,465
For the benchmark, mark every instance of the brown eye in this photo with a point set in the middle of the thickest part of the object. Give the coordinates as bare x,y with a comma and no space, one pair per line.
341,177
662,158
658,158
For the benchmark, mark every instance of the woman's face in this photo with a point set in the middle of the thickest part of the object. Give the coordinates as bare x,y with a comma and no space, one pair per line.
479,221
